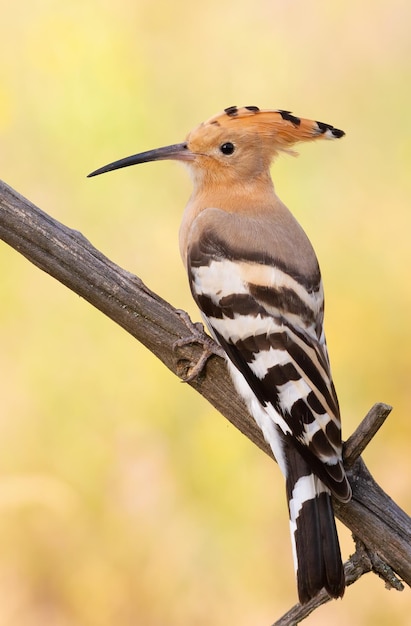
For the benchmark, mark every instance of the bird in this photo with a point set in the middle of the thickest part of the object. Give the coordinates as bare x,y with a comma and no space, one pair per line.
256,279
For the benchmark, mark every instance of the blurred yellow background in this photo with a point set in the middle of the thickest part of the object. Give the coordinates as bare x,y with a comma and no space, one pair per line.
124,498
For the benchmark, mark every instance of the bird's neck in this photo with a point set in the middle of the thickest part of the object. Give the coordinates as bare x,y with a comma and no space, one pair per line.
247,195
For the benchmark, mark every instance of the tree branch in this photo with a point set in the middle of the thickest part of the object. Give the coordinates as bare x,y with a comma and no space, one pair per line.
370,425
69,257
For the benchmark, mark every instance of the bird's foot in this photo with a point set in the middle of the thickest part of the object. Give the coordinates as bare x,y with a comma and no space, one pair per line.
197,335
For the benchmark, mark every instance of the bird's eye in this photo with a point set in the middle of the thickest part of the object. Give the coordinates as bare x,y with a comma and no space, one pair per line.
227,148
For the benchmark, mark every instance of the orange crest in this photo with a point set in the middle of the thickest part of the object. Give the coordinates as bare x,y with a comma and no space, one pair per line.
280,127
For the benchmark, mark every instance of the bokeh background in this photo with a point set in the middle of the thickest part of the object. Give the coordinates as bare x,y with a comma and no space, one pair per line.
124,497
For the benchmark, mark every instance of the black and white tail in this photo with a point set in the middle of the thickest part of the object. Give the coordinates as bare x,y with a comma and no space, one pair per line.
316,549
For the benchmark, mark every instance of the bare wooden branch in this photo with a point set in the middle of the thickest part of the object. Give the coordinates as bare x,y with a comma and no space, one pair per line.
70,258
67,256
361,437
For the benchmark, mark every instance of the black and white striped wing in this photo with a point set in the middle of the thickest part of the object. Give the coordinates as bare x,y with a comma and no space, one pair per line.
269,323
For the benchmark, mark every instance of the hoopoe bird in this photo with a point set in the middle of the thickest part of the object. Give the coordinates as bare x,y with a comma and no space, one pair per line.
256,280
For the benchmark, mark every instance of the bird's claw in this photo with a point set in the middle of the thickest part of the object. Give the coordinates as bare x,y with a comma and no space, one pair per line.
197,335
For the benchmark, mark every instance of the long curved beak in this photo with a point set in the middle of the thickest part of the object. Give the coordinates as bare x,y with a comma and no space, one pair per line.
177,152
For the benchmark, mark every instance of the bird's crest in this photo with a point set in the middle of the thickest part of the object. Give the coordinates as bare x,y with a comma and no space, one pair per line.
281,128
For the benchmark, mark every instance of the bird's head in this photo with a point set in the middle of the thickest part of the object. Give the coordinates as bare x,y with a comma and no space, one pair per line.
238,144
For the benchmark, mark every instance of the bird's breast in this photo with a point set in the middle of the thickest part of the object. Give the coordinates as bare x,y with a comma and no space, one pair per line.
268,237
